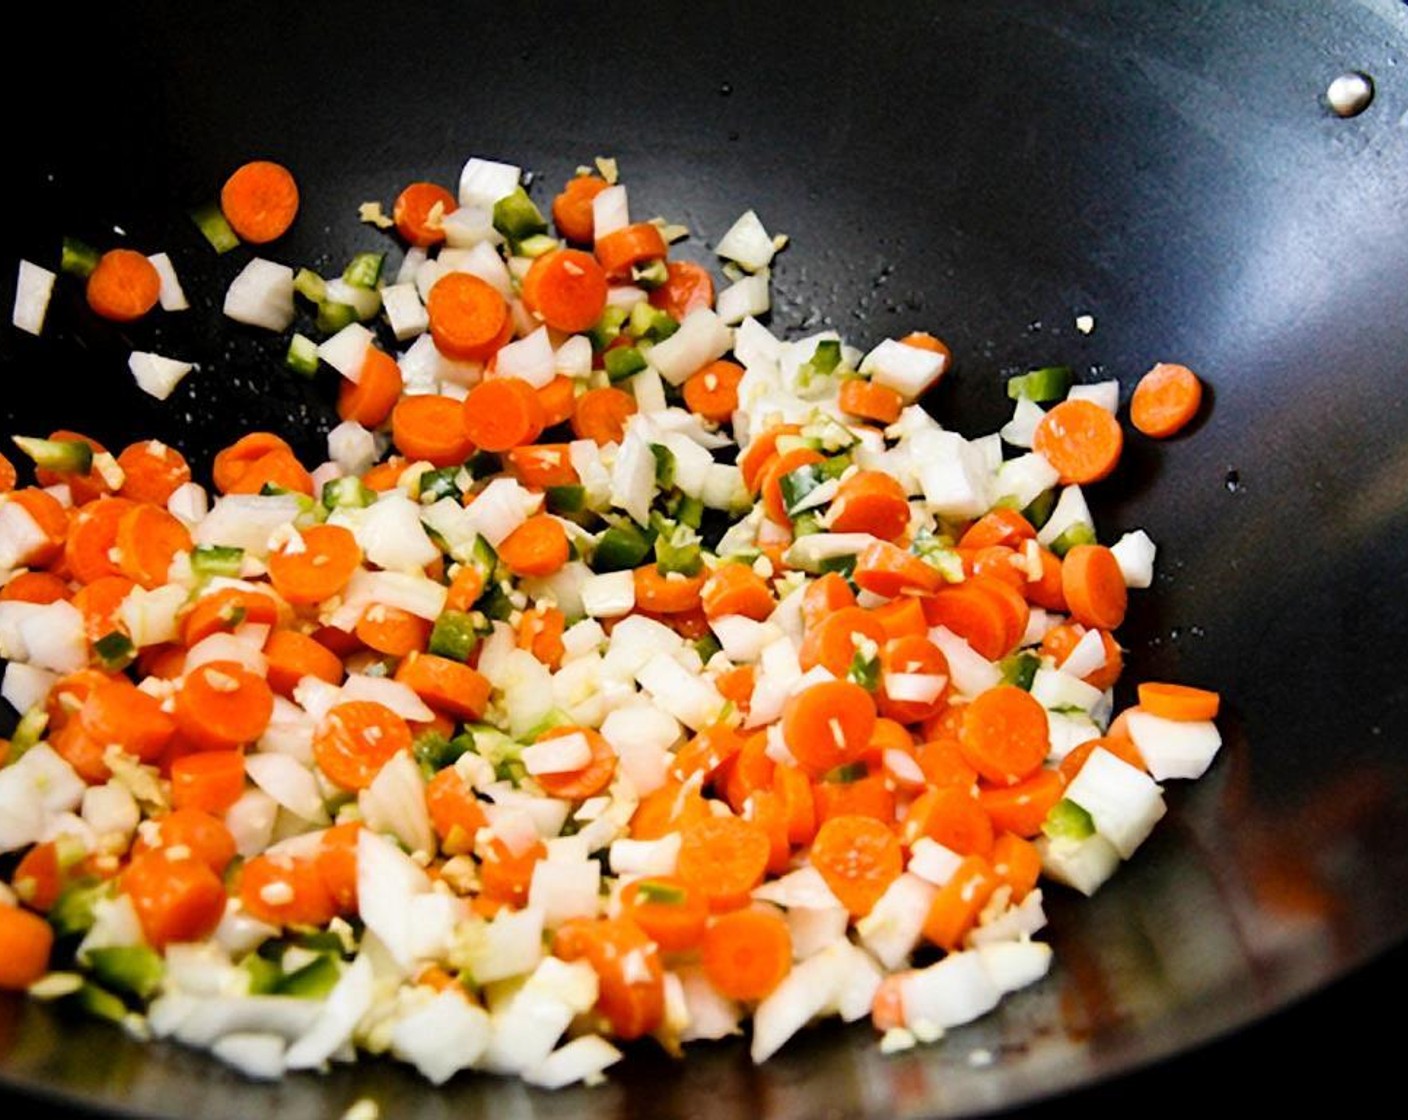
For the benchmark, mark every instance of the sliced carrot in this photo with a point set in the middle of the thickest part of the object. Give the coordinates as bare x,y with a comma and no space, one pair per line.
356,739
1178,701
226,610
870,401
469,319
998,527
502,412
384,476
559,400
231,462
712,392
279,470
825,596
260,201
51,518
1081,440
997,561
1094,586
293,656
418,211
889,570
747,953
671,808
39,878
392,630
1023,807
506,876
9,477
736,686
601,414
828,724
455,812
591,779
958,903
566,289
671,913
83,488
621,250
538,547
944,765
207,780
952,817
748,771
81,751
26,940
369,400
540,633
68,695
1165,400
117,711
572,209
1058,642
667,592
754,459
318,568
835,640
687,286
1017,863
152,471
871,796
176,900
35,587
466,586
98,602
737,589
1046,591
859,858
723,858
124,286
222,705
1004,735
870,502
1016,611
336,864
902,618
1118,745
428,426
193,832
446,685
794,790
631,979
911,655
286,891
541,465
771,485
973,612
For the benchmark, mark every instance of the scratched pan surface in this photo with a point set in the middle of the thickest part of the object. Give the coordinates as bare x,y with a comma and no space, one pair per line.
988,171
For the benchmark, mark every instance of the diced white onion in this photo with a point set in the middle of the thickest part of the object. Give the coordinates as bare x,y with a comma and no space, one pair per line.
33,289
346,351
404,311
1135,554
484,181
157,376
702,337
531,359
610,211
747,243
262,296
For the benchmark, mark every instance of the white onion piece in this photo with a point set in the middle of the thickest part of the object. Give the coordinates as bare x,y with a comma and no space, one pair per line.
610,211
157,376
33,289
346,351
262,296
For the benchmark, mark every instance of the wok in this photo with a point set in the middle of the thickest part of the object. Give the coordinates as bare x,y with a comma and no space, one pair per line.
985,170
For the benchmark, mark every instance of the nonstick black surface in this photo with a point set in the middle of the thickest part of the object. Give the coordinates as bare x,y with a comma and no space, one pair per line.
988,171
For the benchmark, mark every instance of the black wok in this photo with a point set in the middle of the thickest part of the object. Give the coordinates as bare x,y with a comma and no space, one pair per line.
985,170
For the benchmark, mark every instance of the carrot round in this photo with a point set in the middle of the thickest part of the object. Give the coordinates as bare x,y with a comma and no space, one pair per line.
117,711
959,901
591,779
886,569
286,891
1118,745
870,401
222,705
601,414
176,900
1094,586
152,471
859,857
427,426
35,587
667,592
1058,642
538,547
723,858
541,465
825,596
1004,735
370,398
319,569
83,488
194,832
1017,863
836,638
747,953
356,739
502,412
756,457
124,286
771,483
91,548
951,816
280,469
1178,701
506,877
26,940
1165,400
671,914
737,589
231,462
687,286
260,201
207,780
412,212
455,812
446,685
572,210
914,654
559,400
336,863
828,724
1022,808
631,979
623,249
870,502
566,288
225,610
998,527
712,392
1081,440
469,319
385,475
1046,591
392,630
292,656
975,614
